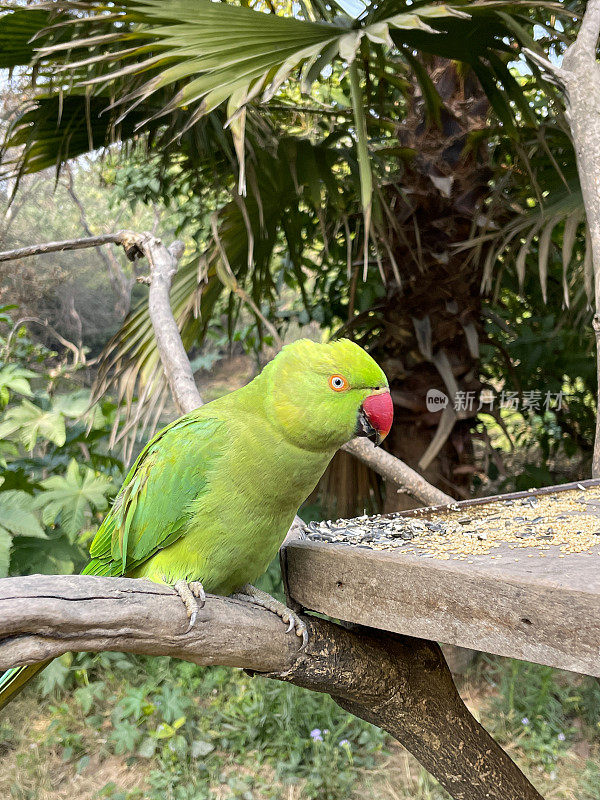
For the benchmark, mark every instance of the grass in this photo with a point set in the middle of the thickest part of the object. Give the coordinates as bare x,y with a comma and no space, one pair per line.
198,732
124,728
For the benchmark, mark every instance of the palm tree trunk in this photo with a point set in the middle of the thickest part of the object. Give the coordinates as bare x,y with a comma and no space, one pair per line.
430,324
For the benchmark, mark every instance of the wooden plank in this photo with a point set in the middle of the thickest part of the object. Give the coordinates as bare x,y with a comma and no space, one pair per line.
537,606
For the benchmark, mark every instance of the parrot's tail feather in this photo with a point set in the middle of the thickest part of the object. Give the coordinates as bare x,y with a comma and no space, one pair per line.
15,679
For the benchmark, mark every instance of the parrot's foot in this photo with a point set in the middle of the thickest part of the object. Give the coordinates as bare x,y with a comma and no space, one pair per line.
251,594
193,598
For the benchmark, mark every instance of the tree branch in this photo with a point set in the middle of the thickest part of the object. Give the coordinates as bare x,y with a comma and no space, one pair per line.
174,359
551,72
399,683
78,354
127,239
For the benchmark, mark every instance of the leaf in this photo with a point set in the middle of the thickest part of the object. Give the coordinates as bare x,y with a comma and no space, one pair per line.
16,519
5,545
78,404
569,234
522,256
72,497
72,405
86,695
147,748
51,556
543,254
33,423
364,163
16,515
17,32
55,675
125,737
164,731
201,748
16,379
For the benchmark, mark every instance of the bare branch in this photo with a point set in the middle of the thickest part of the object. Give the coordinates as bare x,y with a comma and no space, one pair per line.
552,72
78,354
399,683
125,238
163,265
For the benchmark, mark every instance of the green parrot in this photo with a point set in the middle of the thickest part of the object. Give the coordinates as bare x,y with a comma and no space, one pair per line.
211,497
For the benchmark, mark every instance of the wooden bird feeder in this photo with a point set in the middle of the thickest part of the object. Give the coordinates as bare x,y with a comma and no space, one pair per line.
524,581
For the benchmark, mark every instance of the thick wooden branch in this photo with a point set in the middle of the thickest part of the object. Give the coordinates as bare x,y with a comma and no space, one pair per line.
43,617
399,683
174,359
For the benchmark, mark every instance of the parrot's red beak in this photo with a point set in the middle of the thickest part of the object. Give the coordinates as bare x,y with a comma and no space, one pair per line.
376,416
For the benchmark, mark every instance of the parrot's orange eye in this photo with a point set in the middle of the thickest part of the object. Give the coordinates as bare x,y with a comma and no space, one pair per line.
338,383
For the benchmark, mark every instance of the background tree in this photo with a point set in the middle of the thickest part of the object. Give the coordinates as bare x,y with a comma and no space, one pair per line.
403,290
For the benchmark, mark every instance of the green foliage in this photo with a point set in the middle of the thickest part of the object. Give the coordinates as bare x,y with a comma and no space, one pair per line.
14,378
223,98
72,498
16,519
206,733
49,504
537,346
32,422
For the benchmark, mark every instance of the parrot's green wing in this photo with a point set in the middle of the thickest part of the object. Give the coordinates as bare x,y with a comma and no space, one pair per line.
149,512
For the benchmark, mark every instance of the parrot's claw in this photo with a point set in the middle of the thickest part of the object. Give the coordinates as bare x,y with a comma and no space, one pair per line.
198,591
193,597
251,594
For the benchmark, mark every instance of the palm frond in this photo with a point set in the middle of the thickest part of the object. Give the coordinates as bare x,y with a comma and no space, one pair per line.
189,75
542,209
154,59
17,32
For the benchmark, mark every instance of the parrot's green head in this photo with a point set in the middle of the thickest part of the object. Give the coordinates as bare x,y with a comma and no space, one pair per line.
322,395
